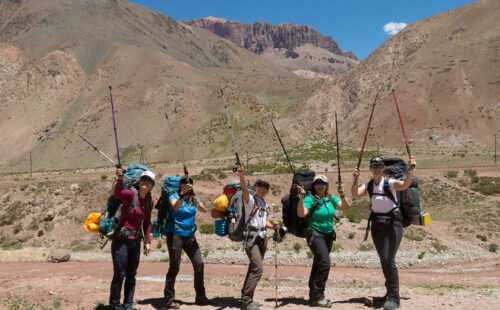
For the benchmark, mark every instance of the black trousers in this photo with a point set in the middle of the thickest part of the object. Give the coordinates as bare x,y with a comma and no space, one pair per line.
387,239
175,245
126,255
321,247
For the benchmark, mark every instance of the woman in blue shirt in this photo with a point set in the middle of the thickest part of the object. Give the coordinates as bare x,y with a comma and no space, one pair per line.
184,203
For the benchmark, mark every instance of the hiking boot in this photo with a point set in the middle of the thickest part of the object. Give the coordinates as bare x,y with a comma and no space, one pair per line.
251,306
391,304
173,305
202,301
322,303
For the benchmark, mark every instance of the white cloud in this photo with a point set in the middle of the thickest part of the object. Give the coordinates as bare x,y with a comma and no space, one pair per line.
392,28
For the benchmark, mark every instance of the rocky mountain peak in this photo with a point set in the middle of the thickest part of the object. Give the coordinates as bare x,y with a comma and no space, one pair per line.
259,36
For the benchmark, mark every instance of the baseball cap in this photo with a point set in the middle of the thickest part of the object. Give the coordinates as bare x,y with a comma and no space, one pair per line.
377,162
148,174
183,180
262,181
320,177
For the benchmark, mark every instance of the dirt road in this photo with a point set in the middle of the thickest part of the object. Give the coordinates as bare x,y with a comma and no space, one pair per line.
83,285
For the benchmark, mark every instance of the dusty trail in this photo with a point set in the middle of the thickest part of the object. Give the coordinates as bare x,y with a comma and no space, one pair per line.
80,285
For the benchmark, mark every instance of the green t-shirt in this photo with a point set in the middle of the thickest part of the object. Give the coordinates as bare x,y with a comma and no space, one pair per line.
322,218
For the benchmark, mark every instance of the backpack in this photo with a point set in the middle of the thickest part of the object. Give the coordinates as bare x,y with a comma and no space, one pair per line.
297,225
236,218
408,201
165,218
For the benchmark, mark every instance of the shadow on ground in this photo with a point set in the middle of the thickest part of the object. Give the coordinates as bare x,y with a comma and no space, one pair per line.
219,302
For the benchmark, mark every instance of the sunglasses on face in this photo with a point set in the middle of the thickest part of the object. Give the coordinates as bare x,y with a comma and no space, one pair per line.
377,166
146,180
319,183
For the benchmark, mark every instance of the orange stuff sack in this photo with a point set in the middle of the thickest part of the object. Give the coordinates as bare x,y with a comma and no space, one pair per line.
92,222
221,203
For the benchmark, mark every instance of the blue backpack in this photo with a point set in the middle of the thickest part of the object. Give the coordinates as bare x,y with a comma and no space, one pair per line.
165,212
109,222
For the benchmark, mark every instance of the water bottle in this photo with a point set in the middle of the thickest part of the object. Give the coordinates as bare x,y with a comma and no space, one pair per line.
156,228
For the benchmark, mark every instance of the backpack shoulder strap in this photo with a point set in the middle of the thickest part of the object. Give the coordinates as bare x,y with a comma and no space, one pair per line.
133,204
387,190
315,206
369,188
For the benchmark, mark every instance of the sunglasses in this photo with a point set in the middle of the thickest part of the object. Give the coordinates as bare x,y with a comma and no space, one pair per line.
146,179
319,183
377,166
262,185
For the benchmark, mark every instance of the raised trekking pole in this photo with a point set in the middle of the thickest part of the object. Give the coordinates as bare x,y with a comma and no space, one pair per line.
95,148
283,147
366,136
238,163
179,149
114,127
338,150
402,127
276,234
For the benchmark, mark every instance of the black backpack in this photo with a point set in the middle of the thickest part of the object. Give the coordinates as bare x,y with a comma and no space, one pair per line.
296,225
408,201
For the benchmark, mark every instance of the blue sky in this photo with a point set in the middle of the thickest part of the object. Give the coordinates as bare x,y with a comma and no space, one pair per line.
357,25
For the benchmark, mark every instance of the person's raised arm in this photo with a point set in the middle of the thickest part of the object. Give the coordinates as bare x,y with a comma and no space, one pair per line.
400,185
176,204
301,210
243,184
343,205
355,189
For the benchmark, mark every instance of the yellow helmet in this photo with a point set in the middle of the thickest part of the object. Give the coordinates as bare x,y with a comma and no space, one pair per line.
221,203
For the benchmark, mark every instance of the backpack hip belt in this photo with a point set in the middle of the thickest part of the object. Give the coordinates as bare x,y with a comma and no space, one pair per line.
394,214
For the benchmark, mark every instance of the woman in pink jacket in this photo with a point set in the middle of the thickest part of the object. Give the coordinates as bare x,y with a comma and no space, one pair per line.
126,246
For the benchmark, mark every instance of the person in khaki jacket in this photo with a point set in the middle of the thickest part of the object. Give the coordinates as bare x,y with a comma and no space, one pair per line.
256,245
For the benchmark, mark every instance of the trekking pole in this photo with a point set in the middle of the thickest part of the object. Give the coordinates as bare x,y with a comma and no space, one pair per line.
179,149
95,148
114,127
283,147
338,151
238,163
366,136
276,234
402,127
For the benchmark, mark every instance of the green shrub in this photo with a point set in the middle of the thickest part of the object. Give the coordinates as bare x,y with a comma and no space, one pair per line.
421,255
493,247
205,253
159,244
366,247
359,209
103,177
164,260
297,247
482,237
207,229
351,235
309,254
451,174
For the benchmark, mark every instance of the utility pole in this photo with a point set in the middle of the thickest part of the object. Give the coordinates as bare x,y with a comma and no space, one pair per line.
247,158
31,166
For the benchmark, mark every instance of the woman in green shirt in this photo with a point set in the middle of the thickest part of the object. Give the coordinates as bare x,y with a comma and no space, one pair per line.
320,233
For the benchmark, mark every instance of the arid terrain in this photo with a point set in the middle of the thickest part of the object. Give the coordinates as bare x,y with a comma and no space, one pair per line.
451,263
